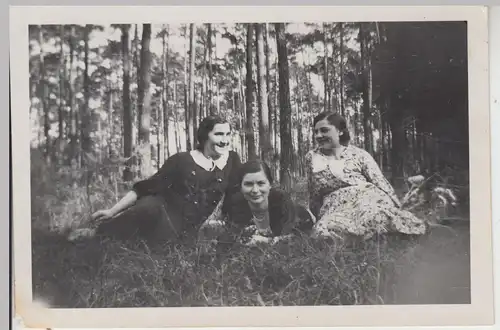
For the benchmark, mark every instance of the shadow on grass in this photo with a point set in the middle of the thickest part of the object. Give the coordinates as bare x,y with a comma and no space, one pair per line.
104,273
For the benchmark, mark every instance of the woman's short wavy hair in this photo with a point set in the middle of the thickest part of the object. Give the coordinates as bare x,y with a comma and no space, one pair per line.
254,166
205,127
335,119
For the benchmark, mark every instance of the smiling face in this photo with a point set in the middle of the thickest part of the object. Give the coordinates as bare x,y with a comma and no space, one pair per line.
217,143
255,187
326,135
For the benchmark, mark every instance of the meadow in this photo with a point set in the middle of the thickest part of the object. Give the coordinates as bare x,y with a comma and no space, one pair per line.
96,273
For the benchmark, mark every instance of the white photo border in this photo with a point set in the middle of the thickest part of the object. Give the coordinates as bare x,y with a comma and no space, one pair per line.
479,312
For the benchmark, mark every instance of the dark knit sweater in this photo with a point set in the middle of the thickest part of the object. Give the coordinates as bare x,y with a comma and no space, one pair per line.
284,215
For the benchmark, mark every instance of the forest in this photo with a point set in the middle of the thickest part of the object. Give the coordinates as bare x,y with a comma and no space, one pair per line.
110,103
133,95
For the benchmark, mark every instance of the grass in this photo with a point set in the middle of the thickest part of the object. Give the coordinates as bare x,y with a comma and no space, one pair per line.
98,273
105,273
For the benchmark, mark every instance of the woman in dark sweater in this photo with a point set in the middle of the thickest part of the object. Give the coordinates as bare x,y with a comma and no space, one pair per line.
260,210
175,201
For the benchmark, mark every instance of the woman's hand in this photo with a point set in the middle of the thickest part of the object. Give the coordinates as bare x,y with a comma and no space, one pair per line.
80,234
128,200
102,215
211,230
258,239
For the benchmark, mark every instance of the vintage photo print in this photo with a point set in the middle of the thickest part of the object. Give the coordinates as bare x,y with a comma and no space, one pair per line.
251,166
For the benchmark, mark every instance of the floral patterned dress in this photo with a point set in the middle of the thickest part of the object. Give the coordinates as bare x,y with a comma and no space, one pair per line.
352,196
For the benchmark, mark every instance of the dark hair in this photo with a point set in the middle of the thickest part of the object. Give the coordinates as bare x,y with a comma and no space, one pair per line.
254,166
205,127
338,121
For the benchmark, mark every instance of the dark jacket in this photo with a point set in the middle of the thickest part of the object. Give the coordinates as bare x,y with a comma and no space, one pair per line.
285,216
188,189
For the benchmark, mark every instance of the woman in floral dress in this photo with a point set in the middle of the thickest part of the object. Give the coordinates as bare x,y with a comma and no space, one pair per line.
348,192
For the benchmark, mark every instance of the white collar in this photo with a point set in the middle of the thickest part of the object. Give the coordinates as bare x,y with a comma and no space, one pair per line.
207,163
320,163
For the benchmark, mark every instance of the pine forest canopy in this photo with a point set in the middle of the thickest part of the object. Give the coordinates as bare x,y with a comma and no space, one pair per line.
134,93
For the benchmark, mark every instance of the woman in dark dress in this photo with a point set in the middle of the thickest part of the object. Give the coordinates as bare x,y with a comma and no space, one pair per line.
177,200
261,212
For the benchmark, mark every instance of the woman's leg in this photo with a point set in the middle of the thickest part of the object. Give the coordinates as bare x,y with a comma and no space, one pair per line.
147,218
365,211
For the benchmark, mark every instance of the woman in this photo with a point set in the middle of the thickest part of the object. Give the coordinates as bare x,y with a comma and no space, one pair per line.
260,211
348,192
186,190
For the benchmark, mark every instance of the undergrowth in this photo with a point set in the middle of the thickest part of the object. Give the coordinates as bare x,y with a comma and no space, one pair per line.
105,273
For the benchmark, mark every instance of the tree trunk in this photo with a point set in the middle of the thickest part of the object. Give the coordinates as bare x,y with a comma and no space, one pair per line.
264,141
192,103
134,97
86,114
158,113
43,96
176,119
217,90
62,97
356,124
195,112
420,144
389,142
242,112
127,108
187,117
210,71
144,103
110,120
216,81
276,109
204,106
252,152
307,76
300,137
425,156
366,108
72,111
98,141
165,93
333,101
398,148
268,86
415,148
370,92
285,112
383,135
199,97
325,67
342,105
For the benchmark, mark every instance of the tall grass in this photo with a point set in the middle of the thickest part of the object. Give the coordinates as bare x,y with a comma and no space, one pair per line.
98,273
106,273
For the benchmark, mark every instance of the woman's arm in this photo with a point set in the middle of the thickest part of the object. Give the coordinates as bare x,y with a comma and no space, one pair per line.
373,173
158,182
128,200
151,186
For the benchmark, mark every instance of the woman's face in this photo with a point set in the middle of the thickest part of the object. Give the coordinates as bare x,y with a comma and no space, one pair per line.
218,139
326,135
255,187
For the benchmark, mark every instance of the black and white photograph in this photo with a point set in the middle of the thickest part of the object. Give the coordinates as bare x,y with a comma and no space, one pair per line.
251,162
